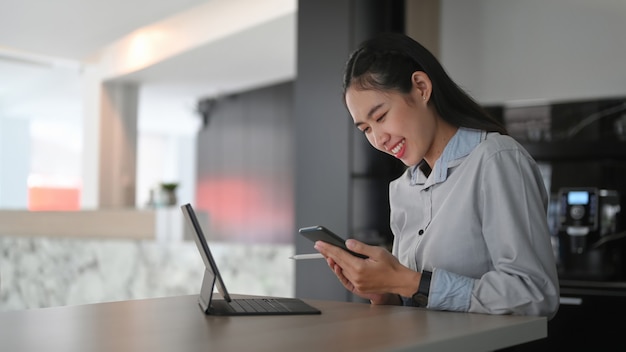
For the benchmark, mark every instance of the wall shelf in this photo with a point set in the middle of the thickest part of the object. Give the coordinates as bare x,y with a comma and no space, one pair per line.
597,288
576,150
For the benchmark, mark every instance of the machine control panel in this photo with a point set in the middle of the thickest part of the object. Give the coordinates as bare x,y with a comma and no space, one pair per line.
578,208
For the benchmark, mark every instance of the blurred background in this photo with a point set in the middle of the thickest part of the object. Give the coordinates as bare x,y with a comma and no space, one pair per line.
112,114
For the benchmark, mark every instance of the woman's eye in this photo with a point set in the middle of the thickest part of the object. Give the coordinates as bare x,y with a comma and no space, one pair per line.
365,130
380,119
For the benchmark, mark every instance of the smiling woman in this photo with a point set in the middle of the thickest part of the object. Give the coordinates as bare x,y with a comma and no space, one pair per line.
464,238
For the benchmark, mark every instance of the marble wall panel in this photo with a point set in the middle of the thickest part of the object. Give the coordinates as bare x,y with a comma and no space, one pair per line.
39,272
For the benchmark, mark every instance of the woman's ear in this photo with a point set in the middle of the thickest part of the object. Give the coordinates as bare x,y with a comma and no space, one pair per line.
421,85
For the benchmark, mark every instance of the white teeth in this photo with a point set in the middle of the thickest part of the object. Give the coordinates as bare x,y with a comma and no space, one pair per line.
397,148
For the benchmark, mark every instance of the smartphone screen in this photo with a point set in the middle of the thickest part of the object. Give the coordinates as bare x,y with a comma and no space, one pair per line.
320,233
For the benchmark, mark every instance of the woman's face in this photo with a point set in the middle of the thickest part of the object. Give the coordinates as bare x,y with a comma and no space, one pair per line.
398,124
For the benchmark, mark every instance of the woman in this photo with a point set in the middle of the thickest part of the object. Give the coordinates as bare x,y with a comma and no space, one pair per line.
468,215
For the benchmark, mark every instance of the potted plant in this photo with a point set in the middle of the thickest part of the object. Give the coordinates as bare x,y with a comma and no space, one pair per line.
169,192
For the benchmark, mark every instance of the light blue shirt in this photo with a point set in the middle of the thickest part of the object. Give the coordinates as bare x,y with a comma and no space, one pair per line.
478,222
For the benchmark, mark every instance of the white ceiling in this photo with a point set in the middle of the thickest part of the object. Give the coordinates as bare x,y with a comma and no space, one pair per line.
75,29
42,43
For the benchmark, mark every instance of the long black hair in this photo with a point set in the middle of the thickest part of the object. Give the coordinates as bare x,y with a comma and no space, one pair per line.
387,62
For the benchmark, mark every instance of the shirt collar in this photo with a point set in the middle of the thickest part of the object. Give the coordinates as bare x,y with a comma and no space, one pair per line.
461,144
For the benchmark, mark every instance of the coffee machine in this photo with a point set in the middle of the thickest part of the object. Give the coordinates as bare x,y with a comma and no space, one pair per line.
590,240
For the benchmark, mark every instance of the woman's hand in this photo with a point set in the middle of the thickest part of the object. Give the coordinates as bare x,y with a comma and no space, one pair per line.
380,278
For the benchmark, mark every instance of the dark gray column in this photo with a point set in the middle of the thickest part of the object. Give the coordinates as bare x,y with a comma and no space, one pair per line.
328,31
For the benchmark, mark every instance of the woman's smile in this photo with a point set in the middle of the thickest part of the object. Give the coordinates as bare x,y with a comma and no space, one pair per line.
399,149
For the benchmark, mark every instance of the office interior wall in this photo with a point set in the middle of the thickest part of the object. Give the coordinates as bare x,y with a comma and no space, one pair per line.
41,130
528,50
15,147
245,166
165,158
422,19
166,146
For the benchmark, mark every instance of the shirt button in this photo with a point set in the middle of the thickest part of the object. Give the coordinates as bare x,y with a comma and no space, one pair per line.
420,232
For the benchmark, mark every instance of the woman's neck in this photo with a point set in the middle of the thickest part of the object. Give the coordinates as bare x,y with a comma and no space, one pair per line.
443,135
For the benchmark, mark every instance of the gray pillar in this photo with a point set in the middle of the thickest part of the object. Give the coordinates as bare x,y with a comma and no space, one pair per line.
328,31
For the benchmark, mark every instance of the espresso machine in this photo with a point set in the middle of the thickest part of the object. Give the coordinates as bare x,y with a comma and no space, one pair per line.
590,239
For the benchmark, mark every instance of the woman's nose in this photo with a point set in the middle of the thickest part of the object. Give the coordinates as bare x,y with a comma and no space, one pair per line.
380,138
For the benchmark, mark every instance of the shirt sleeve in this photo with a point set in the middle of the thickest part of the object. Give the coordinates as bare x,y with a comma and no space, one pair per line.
450,291
514,224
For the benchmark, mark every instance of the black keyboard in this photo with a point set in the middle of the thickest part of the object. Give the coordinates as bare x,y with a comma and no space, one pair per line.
257,305
261,306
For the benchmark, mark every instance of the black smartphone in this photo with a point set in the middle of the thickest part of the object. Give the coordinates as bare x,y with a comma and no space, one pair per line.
320,233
